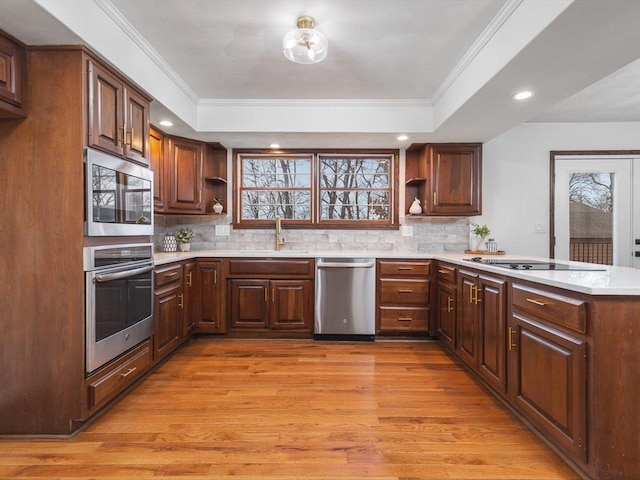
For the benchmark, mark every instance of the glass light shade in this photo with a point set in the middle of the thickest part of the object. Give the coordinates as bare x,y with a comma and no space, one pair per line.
305,45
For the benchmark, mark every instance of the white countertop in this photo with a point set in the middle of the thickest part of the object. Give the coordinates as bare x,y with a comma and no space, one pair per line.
610,281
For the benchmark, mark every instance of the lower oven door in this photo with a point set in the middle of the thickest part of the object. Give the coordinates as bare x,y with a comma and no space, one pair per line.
119,304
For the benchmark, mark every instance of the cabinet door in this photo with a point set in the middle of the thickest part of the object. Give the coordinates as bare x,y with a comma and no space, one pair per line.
493,320
549,382
190,297
12,70
184,178
106,122
455,171
467,319
291,305
156,163
167,314
249,304
209,301
136,145
446,328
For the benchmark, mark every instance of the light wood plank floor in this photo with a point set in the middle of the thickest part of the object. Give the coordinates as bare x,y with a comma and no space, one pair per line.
285,409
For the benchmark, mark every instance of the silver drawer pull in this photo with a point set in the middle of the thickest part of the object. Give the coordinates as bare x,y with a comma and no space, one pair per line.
405,319
405,291
405,268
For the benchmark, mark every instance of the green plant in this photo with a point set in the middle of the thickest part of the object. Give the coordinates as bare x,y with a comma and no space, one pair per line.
481,231
217,200
183,235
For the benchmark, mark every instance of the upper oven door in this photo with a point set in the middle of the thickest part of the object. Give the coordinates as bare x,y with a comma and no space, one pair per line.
119,196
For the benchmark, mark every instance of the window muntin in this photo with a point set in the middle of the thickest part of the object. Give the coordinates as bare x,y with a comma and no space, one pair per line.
335,189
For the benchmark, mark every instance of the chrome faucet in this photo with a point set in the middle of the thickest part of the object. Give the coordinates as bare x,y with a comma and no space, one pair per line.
279,241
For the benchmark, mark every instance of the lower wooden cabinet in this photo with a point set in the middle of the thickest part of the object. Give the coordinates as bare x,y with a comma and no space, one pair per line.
168,310
111,380
270,297
270,304
549,367
209,312
190,287
403,296
446,300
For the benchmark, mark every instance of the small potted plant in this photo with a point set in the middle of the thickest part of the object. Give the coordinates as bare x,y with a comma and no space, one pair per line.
217,206
184,236
482,232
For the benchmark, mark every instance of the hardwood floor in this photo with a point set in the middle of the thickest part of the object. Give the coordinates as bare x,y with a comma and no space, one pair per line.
290,409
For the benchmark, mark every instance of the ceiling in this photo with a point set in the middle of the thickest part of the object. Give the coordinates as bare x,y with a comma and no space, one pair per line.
436,70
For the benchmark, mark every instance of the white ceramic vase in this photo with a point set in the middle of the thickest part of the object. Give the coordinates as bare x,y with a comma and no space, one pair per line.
217,208
185,247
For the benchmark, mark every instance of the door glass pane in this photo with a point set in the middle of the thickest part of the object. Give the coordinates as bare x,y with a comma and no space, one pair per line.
591,217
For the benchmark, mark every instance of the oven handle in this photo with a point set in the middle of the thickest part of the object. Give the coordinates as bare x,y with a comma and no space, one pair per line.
107,277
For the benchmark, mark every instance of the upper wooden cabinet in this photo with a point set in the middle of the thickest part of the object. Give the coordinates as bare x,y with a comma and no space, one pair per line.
13,64
118,115
446,178
188,174
184,176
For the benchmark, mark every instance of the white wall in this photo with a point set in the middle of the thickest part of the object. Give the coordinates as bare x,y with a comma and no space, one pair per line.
516,176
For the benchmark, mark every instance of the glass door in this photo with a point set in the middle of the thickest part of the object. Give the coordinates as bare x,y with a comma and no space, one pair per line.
593,210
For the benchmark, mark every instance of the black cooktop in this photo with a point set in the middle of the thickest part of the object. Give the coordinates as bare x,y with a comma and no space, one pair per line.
518,264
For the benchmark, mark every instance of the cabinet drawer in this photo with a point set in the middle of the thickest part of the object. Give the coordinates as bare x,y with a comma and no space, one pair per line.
404,291
273,268
446,273
168,273
565,311
404,319
409,268
106,384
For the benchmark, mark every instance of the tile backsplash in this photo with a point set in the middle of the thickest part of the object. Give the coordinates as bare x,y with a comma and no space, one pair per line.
432,234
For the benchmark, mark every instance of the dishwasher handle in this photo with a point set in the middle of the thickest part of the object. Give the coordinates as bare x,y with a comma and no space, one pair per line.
322,264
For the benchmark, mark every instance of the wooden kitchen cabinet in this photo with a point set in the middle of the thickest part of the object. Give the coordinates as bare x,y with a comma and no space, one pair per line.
168,310
549,366
118,115
270,297
271,305
156,164
111,380
188,174
184,176
190,288
209,312
446,300
403,296
13,71
446,178
481,319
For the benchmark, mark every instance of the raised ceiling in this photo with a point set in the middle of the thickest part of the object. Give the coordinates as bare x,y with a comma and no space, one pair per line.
437,70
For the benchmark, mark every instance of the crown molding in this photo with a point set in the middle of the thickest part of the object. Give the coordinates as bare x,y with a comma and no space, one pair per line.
395,103
146,47
484,38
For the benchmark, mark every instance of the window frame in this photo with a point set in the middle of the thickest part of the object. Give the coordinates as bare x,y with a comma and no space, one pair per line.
315,222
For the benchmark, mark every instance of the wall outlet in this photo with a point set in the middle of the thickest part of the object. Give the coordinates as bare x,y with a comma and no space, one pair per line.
540,227
223,230
407,230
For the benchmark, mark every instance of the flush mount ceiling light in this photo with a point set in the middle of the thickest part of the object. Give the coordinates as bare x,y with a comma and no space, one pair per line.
402,138
305,45
523,95
166,123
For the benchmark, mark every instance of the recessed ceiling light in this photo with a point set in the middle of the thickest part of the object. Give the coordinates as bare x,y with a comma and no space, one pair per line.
402,137
274,145
523,95
166,123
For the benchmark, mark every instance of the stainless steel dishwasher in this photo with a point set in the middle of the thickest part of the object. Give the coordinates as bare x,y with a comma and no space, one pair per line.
345,299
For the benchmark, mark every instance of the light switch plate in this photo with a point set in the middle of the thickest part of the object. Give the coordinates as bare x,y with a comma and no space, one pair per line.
407,230
223,230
